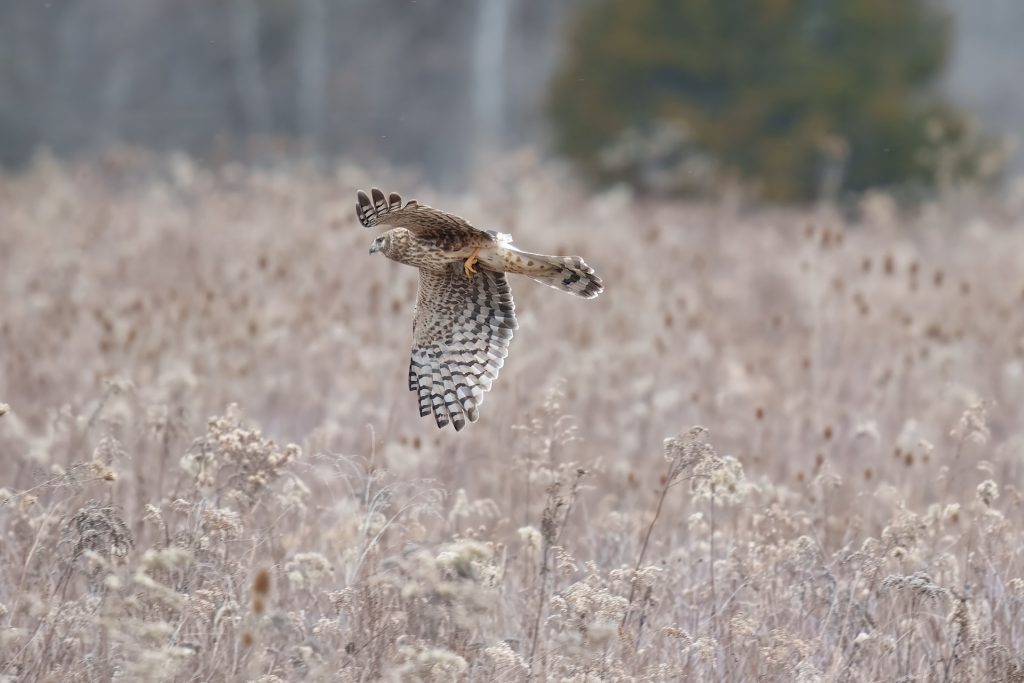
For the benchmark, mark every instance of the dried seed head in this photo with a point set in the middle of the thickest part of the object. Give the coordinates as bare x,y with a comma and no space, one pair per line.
963,619
973,424
101,530
686,451
918,582
951,513
548,524
530,537
988,492
261,582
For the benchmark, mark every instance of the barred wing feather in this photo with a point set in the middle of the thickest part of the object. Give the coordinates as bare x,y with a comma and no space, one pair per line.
461,334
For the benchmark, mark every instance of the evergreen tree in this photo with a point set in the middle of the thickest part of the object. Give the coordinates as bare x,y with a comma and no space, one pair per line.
781,93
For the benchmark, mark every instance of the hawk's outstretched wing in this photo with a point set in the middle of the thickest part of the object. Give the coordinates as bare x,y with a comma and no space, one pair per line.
424,221
461,334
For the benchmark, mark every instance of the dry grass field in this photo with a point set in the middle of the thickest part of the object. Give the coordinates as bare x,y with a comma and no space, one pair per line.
212,469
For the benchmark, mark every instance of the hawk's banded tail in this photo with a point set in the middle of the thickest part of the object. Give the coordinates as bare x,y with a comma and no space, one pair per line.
567,273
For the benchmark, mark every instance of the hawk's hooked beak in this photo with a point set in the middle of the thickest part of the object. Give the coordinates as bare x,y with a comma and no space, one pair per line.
375,247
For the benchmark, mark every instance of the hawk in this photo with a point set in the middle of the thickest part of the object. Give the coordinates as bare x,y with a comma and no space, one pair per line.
464,315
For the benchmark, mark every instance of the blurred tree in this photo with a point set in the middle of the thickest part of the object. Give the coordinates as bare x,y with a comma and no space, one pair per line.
435,84
800,97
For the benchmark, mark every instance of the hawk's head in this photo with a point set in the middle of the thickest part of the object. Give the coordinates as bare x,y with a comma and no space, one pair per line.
382,243
394,244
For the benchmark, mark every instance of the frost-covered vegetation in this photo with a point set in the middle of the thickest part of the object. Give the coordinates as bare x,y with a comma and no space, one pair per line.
212,468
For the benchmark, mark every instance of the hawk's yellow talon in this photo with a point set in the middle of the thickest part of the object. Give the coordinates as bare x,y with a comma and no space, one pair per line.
470,262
